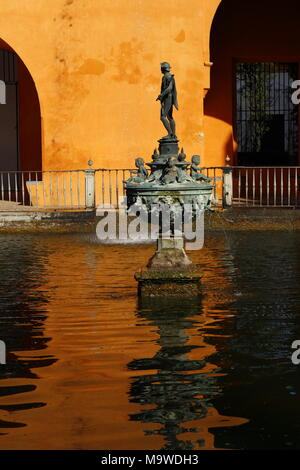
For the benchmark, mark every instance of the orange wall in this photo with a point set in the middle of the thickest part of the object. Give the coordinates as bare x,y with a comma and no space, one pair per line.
246,31
95,65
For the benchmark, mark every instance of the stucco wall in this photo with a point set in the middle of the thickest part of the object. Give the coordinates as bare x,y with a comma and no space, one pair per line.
244,31
96,68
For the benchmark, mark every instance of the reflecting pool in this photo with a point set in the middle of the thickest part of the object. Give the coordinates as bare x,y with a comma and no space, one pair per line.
89,366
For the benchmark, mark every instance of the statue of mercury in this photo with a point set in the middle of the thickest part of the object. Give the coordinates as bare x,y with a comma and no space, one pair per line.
168,99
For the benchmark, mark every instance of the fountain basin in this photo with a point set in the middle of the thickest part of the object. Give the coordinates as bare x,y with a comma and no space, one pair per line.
196,194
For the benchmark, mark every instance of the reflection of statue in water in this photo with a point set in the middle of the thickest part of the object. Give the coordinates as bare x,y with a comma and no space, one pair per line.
171,387
168,99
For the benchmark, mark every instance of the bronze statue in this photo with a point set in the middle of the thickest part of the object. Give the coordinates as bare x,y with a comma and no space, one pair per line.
141,172
168,99
183,177
170,172
196,172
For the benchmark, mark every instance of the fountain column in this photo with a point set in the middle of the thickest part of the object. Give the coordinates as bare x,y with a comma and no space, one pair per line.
173,183
169,272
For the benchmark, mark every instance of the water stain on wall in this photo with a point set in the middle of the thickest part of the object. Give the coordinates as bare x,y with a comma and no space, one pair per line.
152,80
149,57
60,150
180,37
69,90
128,62
91,67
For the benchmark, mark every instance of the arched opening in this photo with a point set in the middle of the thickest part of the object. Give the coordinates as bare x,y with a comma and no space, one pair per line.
249,114
20,119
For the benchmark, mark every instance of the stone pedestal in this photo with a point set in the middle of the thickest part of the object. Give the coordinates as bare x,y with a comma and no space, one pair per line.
169,254
179,283
168,147
169,273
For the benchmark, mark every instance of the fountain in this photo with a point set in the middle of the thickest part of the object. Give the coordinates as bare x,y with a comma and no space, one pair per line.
173,188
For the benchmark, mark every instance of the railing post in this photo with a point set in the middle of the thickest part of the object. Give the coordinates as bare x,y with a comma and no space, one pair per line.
90,187
227,185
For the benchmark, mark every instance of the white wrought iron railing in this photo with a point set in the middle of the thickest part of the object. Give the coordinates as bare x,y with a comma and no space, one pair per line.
70,189
43,189
87,189
257,186
109,185
266,186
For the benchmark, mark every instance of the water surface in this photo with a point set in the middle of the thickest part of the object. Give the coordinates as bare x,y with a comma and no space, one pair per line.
90,366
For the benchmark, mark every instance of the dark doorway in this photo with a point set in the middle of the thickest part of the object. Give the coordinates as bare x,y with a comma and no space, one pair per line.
20,127
266,118
9,112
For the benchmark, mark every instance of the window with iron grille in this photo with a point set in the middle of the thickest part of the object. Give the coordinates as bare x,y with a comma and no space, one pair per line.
8,67
267,119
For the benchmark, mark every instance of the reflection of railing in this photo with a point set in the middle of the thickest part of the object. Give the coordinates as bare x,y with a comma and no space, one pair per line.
87,189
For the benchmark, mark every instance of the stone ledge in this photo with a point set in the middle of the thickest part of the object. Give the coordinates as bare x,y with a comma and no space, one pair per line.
242,219
169,283
31,222
162,275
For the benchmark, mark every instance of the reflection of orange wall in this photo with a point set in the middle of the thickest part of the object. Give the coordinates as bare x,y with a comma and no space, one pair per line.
96,68
247,31
90,331
70,387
